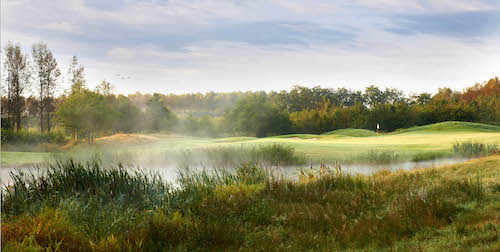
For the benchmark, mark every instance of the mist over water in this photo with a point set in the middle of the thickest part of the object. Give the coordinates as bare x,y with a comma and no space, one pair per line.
169,170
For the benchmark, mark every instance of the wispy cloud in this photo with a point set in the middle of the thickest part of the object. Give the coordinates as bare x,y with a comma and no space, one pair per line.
264,43
63,27
460,24
430,6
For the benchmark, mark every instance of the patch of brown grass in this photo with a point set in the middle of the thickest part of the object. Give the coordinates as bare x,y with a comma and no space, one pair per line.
128,138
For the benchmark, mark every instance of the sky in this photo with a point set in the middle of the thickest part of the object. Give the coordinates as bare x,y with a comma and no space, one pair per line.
184,46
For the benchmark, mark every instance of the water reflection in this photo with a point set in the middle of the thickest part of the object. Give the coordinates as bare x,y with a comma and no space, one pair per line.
170,172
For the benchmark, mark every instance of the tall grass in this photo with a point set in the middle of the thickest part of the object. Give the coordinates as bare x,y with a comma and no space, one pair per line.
89,206
35,137
232,155
426,156
373,156
89,181
473,149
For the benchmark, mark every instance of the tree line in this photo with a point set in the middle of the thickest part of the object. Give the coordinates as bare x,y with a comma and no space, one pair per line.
318,110
31,81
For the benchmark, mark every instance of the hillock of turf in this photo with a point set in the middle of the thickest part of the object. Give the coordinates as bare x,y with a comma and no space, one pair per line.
453,126
352,132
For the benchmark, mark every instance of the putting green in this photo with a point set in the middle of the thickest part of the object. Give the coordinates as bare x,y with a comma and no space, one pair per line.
348,144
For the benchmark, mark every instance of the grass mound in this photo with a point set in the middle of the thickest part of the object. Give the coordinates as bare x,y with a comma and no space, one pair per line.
90,207
233,139
352,132
128,138
453,126
298,136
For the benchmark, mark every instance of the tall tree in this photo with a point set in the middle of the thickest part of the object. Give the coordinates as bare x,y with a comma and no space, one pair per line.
17,80
76,76
373,95
254,115
159,115
47,74
88,111
105,88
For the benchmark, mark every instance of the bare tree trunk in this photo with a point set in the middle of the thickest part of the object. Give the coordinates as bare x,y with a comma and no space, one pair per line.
48,121
41,105
41,118
48,101
10,112
18,122
18,111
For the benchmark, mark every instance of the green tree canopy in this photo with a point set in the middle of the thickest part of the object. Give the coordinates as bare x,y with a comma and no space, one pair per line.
255,115
87,110
159,115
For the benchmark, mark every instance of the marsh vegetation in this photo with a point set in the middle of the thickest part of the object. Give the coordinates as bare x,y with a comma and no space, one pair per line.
101,207
475,149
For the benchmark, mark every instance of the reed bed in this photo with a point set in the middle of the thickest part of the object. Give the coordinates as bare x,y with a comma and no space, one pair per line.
90,206
473,149
233,155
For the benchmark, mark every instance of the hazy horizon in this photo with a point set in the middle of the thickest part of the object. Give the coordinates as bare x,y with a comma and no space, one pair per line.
200,46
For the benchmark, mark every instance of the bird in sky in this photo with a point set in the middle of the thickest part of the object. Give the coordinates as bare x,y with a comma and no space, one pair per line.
123,77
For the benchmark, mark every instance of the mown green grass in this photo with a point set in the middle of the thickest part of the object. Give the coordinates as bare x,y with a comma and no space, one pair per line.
453,126
25,158
90,207
346,146
299,136
352,132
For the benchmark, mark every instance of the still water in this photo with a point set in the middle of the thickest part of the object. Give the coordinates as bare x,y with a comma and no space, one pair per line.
170,173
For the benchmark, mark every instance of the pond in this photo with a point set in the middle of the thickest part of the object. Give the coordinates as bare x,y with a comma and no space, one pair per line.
170,172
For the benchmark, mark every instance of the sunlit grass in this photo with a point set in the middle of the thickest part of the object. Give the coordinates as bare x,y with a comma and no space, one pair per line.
95,207
347,146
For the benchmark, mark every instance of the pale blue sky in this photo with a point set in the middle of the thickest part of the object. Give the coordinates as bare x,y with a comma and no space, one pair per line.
224,45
